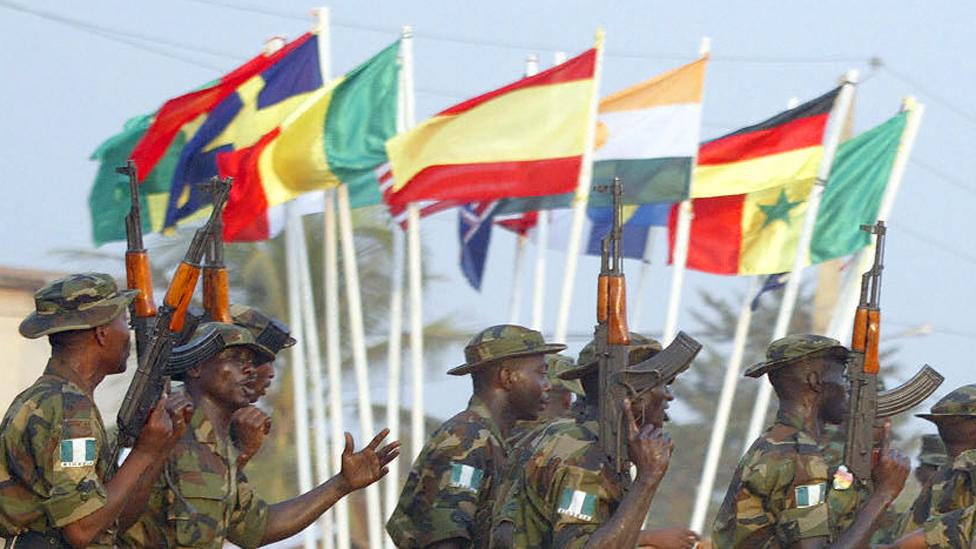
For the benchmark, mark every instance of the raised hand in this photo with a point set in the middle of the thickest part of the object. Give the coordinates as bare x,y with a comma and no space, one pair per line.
165,425
648,446
365,467
250,426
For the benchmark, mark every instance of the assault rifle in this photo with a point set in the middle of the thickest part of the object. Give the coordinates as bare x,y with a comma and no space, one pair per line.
866,403
149,380
216,301
142,310
618,378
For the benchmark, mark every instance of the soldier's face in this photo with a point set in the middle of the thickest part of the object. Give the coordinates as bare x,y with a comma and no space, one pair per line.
835,391
226,377
117,342
652,406
529,386
263,374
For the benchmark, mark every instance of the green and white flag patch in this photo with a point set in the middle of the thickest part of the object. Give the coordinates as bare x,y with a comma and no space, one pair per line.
577,504
77,452
809,495
466,477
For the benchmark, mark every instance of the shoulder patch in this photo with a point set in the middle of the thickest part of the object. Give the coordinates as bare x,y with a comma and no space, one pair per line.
809,495
78,452
466,477
577,504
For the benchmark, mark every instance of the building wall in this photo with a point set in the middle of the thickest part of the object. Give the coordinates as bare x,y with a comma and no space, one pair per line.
23,359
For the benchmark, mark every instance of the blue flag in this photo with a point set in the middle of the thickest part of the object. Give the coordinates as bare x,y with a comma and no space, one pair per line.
773,282
474,232
636,223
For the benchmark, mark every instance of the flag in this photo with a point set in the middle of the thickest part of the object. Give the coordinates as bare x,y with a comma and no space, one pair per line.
336,136
757,233
255,106
647,135
108,200
786,147
772,283
636,222
525,139
474,231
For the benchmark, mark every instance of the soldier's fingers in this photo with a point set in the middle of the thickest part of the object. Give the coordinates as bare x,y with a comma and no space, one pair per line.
629,418
885,435
349,445
266,426
373,444
390,456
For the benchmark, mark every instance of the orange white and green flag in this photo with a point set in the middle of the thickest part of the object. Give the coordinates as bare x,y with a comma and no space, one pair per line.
524,139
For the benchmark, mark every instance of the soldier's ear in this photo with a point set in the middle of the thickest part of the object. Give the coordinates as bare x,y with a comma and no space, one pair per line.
814,381
506,377
101,334
193,373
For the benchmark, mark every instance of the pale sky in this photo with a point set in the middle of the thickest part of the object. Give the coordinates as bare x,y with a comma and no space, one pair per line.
74,72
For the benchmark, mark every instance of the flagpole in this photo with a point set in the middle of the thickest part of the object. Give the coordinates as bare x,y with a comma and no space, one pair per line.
414,273
539,277
302,451
645,275
679,257
581,198
720,427
515,306
395,345
330,283
803,248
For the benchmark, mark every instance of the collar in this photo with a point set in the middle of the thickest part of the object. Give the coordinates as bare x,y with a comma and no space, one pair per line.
480,409
796,422
965,461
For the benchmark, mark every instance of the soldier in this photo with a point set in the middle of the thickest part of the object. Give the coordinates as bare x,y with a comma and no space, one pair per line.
249,425
558,406
200,501
784,493
564,493
953,485
447,500
54,455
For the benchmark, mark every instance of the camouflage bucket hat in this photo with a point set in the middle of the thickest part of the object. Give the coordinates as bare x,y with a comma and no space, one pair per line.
208,341
268,332
500,342
933,451
642,348
75,302
795,346
959,403
557,365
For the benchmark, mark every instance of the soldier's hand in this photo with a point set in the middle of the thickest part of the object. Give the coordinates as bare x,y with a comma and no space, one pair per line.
165,425
251,425
365,467
890,473
668,538
648,446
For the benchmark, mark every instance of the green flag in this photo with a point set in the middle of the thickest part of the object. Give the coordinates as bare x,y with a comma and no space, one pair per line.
858,178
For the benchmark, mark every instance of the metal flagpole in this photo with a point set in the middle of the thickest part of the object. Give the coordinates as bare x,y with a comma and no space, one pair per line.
394,346
515,306
802,249
330,284
645,275
299,385
414,273
682,236
580,199
539,276
733,372
843,315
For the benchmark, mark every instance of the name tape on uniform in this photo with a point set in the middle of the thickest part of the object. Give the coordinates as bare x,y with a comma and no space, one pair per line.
77,452
577,504
466,477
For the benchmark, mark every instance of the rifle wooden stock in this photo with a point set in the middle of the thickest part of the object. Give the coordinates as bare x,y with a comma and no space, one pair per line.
603,299
138,277
215,294
859,339
617,332
180,292
872,363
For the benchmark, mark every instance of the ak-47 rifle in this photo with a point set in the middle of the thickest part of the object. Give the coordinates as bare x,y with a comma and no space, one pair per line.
866,403
216,300
618,379
142,310
149,380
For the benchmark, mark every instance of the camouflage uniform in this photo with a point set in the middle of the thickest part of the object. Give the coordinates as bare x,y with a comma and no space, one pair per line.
954,484
561,487
450,490
200,499
784,489
951,530
54,454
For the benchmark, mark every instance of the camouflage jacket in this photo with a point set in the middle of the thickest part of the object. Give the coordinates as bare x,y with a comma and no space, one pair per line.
953,488
563,488
199,500
451,487
783,491
951,530
55,456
